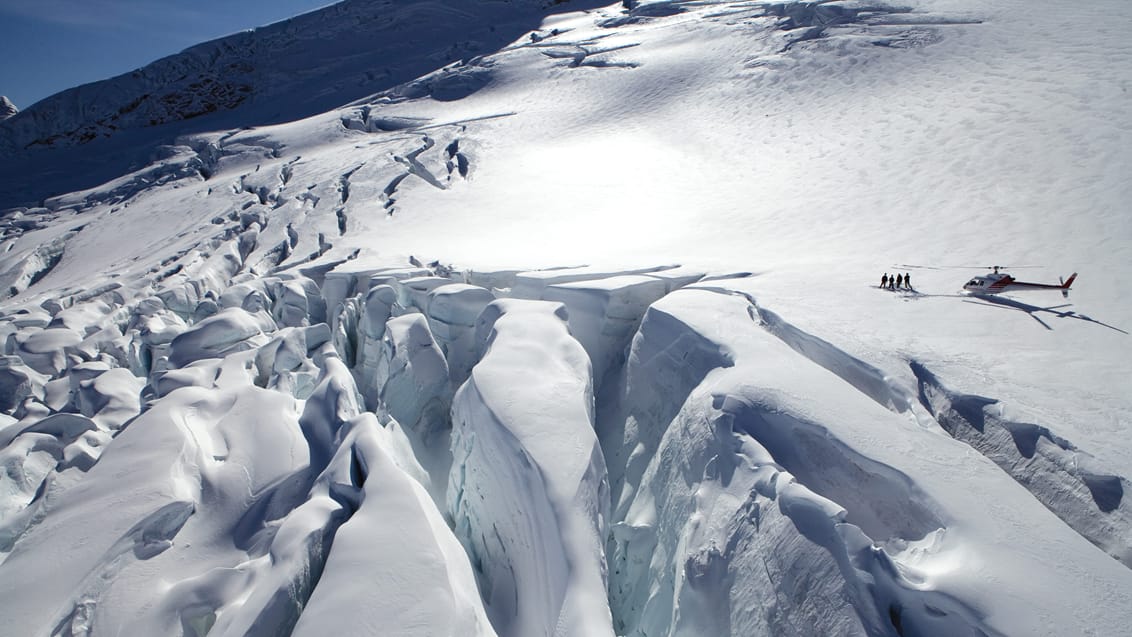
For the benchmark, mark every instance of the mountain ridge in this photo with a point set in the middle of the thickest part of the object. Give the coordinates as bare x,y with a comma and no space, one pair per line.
257,77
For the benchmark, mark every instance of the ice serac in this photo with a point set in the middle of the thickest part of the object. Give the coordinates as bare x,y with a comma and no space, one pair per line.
332,404
231,330
527,490
18,381
161,504
376,309
395,567
417,394
452,313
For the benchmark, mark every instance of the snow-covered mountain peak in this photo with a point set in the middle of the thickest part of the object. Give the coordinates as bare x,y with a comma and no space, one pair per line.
7,108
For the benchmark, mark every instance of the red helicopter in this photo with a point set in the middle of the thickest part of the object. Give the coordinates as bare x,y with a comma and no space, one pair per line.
998,282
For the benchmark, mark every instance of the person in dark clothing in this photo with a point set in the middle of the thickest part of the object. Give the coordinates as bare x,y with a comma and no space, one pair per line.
899,281
892,283
884,281
908,281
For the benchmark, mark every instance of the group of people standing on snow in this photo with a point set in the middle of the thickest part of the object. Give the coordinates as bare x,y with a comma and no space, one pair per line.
898,282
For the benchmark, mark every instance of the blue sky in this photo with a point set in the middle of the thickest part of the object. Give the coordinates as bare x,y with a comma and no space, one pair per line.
47,46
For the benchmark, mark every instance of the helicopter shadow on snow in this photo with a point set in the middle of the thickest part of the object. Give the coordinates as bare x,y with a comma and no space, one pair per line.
1035,310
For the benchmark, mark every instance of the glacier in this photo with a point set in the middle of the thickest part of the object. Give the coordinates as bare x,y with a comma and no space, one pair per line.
565,321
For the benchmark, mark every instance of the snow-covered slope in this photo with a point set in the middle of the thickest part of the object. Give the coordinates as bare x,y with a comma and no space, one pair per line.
583,336
291,69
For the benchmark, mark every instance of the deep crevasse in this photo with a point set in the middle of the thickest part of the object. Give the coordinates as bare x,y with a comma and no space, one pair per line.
618,452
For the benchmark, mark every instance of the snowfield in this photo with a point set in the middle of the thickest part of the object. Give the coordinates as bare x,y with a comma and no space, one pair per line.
524,318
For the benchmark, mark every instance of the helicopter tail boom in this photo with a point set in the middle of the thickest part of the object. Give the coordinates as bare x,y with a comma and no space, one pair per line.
1065,285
